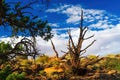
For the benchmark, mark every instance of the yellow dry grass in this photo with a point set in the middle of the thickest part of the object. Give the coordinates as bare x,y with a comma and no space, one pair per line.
50,70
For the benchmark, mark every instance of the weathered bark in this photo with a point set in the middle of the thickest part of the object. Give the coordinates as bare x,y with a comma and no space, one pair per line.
53,46
75,61
76,50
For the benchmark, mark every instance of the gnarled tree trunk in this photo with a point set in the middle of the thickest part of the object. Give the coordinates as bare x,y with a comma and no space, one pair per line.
76,51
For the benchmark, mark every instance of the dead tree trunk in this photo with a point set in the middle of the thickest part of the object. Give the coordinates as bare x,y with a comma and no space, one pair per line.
76,50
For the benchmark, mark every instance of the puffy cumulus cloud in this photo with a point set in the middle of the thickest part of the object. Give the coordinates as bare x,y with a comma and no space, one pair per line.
101,25
94,18
107,41
74,14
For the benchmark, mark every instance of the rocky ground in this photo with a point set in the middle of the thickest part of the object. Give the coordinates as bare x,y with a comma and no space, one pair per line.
101,75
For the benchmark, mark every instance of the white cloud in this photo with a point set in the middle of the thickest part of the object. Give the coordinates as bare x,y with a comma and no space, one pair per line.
100,25
107,41
58,9
53,24
96,18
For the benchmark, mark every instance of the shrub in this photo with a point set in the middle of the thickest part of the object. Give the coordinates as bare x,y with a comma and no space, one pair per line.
16,76
5,72
5,47
55,63
42,59
112,63
42,72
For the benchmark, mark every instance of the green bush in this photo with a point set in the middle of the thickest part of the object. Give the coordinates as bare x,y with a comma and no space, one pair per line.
42,72
16,76
5,72
55,63
5,47
112,63
42,59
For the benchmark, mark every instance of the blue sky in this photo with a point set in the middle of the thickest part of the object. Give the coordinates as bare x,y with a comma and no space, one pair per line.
109,5
102,18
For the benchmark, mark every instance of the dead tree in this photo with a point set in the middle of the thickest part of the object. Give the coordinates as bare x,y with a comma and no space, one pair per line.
28,50
76,51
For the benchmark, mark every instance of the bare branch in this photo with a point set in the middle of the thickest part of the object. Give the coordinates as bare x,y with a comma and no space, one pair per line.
83,52
53,46
85,28
89,37
91,62
63,57
81,21
27,52
73,46
88,46
69,46
64,51
84,33
81,31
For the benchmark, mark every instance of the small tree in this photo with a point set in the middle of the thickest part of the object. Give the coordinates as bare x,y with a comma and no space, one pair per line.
20,20
4,48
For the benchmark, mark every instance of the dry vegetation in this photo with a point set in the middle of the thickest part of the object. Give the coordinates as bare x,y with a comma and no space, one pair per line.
51,68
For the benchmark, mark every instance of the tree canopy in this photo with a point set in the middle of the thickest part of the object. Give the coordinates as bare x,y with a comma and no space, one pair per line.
20,20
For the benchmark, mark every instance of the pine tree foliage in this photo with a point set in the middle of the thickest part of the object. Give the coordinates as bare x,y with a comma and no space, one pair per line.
22,21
